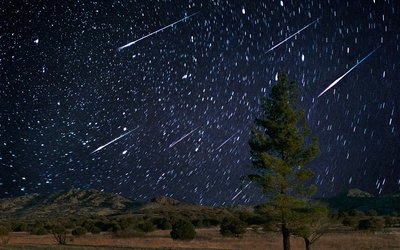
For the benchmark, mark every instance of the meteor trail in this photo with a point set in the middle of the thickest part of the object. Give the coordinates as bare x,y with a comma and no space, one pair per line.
305,27
240,191
226,141
155,32
116,139
340,78
183,137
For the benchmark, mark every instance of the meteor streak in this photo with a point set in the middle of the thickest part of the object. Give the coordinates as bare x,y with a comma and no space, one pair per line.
240,191
305,27
155,32
183,137
226,141
116,139
340,78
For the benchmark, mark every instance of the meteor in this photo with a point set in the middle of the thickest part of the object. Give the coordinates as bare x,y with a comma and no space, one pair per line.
240,191
155,32
340,78
116,139
305,27
226,141
183,137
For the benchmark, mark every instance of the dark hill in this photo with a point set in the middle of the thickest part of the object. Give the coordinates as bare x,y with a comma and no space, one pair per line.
75,202
363,201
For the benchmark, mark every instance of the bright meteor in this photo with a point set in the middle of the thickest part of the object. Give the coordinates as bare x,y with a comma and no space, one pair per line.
155,32
116,139
305,27
340,78
183,137
240,191
222,144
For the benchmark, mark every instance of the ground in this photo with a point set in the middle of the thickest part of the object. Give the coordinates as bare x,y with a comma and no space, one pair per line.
208,239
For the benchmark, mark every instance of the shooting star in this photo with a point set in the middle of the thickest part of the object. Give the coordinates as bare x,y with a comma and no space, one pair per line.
240,191
305,27
340,78
225,141
116,139
183,137
155,32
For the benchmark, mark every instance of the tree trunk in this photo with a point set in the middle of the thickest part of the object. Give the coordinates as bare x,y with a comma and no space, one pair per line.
308,244
286,237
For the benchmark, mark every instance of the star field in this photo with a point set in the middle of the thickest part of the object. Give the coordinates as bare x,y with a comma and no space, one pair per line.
171,114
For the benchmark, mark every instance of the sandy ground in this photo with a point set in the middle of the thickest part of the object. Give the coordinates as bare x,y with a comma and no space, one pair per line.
207,239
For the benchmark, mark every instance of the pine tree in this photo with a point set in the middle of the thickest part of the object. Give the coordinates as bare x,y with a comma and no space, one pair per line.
280,146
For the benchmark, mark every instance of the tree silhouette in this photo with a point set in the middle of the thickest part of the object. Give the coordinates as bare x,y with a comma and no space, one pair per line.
280,146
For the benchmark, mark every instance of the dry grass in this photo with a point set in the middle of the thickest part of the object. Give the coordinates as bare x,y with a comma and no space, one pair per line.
208,239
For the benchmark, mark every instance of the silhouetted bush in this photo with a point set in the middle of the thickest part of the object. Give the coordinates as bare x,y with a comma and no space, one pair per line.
372,224
350,221
20,227
95,230
79,231
146,227
372,212
232,227
4,230
39,231
163,223
183,230
60,234
356,213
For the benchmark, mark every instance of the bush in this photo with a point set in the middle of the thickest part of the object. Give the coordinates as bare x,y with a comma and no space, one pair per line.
356,213
232,227
183,230
95,230
372,224
79,231
163,223
146,227
372,212
21,227
4,231
60,234
39,231
350,221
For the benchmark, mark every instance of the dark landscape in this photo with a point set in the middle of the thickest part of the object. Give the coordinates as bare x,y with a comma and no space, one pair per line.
111,221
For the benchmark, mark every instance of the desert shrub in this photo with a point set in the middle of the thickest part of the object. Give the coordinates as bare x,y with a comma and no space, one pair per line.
39,231
198,223
372,224
232,227
20,227
163,223
95,230
128,222
372,212
146,227
88,225
79,231
356,213
391,221
115,227
183,230
60,234
350,221
4,230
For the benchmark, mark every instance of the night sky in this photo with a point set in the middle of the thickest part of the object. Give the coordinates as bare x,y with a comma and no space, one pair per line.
171,114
